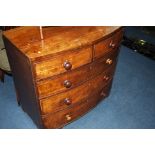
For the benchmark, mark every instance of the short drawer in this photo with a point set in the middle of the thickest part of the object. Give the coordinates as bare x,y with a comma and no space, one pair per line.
75,77
61,118
107,45
77,94
62,63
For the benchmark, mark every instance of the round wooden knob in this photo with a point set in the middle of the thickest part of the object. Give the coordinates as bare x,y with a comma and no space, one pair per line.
67,84
68,117
67,101
67,65
103,94
109,61
106,78
112,45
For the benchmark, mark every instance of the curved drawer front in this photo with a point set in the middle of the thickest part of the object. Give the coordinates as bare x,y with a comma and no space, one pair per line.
77,94
61,118
63,100
107,45
76,77
62,63
66,74
57,84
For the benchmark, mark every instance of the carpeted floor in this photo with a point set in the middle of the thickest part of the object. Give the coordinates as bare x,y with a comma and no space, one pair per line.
131,103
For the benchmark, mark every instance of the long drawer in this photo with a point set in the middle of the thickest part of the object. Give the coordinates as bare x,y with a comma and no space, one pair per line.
76,95
107,45
74,78
62,63
61,118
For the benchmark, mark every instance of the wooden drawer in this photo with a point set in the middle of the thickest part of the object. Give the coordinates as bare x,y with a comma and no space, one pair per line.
62,63
56,85
61,118
107,45
64,100
63,76
75,95
101,80
109,59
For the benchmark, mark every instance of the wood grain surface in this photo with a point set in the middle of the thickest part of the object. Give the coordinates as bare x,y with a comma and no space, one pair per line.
56,39
61,118
56,84
78,94
54,66
64,75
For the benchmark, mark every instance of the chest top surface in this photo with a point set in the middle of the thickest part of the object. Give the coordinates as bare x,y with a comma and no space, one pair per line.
56,39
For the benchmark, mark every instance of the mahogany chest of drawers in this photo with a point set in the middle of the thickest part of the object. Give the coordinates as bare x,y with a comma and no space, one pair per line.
62,76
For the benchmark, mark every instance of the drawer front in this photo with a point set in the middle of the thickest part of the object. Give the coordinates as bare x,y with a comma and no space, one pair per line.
64,100
62,63
58,84
105,62
61,118
107,45
75,95
101,80
76,77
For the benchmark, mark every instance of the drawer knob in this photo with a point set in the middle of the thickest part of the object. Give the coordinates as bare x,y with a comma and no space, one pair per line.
68,117
112,45
67,101
109,61
106,78
67,65
67,84
103,94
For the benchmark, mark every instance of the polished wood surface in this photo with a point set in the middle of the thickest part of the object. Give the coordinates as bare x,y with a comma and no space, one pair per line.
62,76
23,80
107,45
56,39
61,118
76,95
56,65
76,77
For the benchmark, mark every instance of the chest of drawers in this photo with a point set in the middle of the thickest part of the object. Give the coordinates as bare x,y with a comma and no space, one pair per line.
66,74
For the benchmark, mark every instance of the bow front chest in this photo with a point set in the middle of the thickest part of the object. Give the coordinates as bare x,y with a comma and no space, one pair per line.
63,75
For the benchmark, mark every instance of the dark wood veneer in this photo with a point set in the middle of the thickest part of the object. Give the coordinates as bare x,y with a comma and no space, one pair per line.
77,94
55,85
59,119
60,78
23,79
